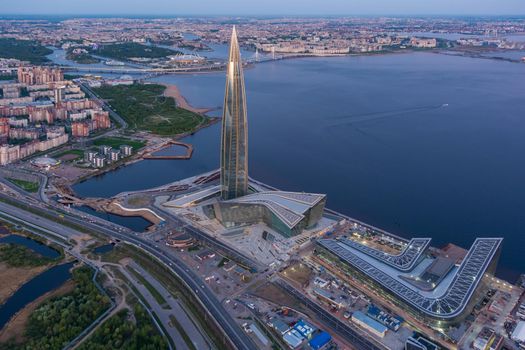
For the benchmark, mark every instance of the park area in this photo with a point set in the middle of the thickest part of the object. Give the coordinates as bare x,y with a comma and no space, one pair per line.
144,107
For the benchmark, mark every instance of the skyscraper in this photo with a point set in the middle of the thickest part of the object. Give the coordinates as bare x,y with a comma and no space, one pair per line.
234,143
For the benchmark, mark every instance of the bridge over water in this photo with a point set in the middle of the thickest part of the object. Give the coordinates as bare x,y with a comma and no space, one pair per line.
151,72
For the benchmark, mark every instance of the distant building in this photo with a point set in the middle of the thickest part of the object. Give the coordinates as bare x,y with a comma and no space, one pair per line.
423,43
58,95
369,324
101,120
90,155
10,154
80,129
39,75
126,150
320,341
418,342
305,328
104,149
99,161
41,113
180,241
4,126
293,339
205,255
487,339
113,155
45,162
279,325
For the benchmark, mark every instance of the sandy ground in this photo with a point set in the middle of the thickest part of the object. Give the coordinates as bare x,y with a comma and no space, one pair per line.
70,172
16,326
13,277
173,91
68,157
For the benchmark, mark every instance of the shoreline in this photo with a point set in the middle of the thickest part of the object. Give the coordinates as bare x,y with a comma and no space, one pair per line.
12,331
181,101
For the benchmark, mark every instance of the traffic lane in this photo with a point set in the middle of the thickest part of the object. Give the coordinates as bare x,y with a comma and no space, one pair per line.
203,294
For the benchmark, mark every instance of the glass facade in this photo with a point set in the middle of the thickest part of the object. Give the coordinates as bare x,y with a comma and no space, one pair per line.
240,214
234,142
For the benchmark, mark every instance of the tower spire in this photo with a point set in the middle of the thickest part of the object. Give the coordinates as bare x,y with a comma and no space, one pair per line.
234,140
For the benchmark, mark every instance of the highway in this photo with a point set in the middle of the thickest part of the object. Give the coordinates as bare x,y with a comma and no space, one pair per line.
241,258
234,333
112,113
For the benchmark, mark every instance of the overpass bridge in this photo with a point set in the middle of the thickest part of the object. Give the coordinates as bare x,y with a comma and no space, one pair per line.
152,72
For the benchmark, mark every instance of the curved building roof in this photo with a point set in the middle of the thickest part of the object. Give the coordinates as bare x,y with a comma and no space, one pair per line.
445,302
404,261
45,162
290,207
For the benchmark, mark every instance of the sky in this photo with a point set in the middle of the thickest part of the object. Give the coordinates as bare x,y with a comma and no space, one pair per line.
263,7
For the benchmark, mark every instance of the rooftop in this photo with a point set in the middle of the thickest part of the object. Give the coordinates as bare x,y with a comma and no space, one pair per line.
370,322
290,207
447,300
190,199
405,261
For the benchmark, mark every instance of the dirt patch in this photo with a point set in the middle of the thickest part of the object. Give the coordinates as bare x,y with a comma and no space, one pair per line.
68,157
299,273
138,201
273,293
14,277
173,91
15,329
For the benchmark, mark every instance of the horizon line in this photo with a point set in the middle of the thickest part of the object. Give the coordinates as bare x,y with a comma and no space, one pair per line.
265,15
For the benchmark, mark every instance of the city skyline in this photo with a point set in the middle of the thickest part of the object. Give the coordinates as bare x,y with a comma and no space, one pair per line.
375,213
268,8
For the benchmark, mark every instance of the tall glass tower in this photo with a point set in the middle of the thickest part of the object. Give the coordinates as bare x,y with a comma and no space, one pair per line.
234,143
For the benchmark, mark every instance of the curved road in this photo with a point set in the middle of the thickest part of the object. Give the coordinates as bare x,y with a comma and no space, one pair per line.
190,279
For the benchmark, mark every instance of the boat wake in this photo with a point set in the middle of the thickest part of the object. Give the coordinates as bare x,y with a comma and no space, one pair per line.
366,117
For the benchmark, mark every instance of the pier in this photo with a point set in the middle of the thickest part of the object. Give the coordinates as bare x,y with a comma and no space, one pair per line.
189,152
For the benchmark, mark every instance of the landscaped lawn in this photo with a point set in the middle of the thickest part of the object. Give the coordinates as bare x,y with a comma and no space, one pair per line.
144,107
124,51
29,186
76,152
116,142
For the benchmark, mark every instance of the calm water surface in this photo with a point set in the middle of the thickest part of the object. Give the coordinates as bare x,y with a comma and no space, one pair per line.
39,285
419,144
35,246
104,248
135,223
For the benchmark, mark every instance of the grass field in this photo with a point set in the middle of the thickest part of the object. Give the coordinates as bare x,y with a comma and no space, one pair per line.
28,186
124,51
116,142
26,50
74,152
144,107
